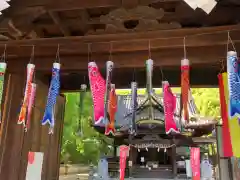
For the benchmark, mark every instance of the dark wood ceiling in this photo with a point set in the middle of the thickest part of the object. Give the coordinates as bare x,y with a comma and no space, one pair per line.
52,18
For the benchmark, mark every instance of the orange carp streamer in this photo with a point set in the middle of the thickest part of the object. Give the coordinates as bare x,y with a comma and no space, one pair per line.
185,87
112,109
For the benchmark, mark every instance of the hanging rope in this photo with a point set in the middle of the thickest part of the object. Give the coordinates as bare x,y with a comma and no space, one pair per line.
32,55
222,64
149,49
162,75
110,51
184,48
4,53
230,41
134,75
57,60
89,52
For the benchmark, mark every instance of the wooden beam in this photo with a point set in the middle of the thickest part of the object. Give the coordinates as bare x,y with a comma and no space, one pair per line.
22,51
130,4
165,34
147,2
204,139
199,56
56,19
126,42
73,4
235,2
66,5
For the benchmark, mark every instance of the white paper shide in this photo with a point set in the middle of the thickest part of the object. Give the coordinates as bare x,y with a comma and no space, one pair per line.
206,5
4,5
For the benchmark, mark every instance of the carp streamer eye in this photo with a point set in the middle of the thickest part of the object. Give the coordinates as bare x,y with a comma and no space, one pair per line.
94,73
235,65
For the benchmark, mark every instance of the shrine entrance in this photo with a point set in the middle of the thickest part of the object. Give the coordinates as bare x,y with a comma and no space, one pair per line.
153,157
152,162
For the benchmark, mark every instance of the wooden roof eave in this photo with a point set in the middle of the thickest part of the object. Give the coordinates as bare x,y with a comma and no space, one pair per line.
200,122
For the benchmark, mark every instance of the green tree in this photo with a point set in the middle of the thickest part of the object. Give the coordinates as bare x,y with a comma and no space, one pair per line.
207,101
90,145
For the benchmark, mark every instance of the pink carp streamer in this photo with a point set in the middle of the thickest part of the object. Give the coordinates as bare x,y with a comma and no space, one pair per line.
124,151
31,104
98,88
195,162
169,108
27,94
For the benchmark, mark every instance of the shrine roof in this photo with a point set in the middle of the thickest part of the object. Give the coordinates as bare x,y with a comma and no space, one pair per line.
197,126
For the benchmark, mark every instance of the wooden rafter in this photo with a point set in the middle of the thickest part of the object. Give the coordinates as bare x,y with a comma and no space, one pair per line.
4,38
56,19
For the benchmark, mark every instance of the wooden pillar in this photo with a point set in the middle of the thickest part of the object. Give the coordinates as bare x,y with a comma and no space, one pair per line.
12,134
15,143
218,153
174,161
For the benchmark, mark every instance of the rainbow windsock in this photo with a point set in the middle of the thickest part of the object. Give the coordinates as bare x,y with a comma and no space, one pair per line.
234,127
226,138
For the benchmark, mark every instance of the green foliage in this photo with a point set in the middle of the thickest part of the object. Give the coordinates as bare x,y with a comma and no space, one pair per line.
207,101
85,148
91,145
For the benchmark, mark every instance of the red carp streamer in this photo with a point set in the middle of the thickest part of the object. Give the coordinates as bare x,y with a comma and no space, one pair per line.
30,105
27,94
185,87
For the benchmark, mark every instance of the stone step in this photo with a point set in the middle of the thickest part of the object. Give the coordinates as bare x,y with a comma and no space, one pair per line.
153,173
